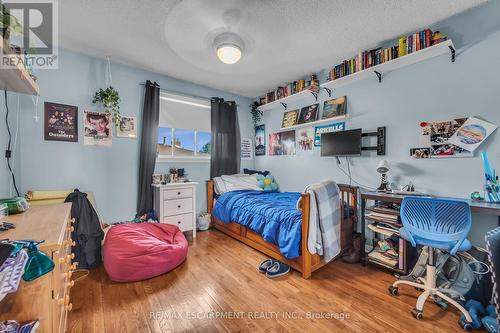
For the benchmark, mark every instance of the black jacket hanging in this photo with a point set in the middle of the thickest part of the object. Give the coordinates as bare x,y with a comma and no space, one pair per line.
87,231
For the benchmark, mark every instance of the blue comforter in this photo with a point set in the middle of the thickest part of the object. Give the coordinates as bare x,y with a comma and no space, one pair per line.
273,215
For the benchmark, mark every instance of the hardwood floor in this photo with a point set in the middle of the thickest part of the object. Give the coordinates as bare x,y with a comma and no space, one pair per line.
218,288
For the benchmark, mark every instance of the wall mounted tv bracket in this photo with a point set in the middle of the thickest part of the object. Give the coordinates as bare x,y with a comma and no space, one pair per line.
380,134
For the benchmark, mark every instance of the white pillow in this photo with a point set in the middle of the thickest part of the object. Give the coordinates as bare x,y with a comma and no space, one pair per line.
227,183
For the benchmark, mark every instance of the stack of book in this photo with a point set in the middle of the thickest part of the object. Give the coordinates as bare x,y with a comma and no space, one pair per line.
291,88
381,257
385,253
377,56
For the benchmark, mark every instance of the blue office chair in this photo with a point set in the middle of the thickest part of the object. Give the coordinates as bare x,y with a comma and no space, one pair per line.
436,224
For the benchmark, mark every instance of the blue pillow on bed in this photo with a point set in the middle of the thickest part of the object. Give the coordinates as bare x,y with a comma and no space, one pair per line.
267,183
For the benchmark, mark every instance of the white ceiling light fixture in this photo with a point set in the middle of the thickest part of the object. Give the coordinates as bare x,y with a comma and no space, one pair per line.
229,47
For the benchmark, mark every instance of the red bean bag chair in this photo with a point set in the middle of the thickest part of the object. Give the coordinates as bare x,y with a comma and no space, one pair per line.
134,252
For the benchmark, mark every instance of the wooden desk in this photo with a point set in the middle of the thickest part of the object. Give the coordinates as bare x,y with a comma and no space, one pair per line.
481,207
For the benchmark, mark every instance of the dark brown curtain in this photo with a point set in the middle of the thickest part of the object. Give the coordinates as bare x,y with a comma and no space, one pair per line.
149,138
225,145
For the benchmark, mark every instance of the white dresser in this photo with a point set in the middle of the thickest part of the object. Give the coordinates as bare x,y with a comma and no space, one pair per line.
175,203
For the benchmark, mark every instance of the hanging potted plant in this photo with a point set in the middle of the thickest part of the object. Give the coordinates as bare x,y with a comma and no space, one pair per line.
110,100
109,97
256,113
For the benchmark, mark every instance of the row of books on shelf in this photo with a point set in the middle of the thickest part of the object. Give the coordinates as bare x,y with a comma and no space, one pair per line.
291,88
377,56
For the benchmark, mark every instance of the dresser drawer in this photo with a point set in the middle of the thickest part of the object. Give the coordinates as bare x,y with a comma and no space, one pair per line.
176,193
177,206
183,221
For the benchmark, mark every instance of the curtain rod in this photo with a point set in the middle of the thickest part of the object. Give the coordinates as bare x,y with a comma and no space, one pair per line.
182,94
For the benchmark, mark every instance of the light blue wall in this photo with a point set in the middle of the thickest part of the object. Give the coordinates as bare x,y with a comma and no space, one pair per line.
6,185
111,173
432,90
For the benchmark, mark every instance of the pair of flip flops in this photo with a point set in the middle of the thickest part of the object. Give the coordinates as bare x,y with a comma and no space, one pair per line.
273,268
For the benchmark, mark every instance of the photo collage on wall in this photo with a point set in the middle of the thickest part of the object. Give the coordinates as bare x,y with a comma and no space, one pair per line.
61,124
457,137
304,139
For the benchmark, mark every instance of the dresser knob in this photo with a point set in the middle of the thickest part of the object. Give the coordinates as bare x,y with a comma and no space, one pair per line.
178,206
178,222
178,193
70,283
63,301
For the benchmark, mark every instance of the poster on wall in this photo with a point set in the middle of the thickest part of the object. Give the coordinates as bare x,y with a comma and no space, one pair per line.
246,149
289,118
97,129
334,107
305,140
308,114
61,122
282,143
472,133
127,127
335,127
435,135
260,140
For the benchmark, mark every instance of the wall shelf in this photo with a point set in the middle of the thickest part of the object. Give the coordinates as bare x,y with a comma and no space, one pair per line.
16,79
380,70
316,123
289,99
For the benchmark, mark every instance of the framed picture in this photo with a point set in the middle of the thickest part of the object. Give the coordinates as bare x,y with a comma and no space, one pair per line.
97,129
334,107
127,127
61,122
260,140
290,118
282,143
308,114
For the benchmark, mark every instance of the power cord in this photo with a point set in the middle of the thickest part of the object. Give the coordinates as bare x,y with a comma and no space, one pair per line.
348,174
8,152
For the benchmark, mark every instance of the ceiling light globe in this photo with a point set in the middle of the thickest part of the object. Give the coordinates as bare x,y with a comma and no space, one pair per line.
229,53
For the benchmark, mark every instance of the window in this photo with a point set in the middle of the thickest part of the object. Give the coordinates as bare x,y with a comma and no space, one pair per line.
184,130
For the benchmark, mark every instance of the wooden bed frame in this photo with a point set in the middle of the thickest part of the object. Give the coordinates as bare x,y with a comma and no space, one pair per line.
306,263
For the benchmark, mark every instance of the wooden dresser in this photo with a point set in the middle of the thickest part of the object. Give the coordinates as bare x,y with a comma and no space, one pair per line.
175,203
46,298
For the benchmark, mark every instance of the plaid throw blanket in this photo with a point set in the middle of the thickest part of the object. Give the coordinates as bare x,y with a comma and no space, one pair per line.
324,219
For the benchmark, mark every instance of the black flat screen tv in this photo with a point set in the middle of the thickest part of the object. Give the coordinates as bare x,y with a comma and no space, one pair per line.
342,143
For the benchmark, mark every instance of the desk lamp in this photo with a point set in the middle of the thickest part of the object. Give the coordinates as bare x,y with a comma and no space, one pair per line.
383,169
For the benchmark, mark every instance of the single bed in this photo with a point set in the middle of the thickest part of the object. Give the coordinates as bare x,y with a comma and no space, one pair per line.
303,261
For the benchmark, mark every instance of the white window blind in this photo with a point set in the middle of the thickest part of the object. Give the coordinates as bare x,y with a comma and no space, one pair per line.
177,111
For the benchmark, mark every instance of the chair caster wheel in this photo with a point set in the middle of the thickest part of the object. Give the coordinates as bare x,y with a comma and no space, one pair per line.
393,290
419,315
466,326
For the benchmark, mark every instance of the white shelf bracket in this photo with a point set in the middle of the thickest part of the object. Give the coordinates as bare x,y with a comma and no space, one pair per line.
379,76
284,105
